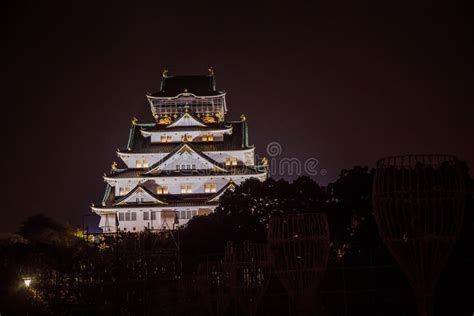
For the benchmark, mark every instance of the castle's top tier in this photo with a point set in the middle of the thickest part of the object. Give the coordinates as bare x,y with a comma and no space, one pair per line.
194,94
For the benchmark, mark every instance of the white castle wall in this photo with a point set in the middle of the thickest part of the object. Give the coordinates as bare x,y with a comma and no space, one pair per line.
140,224
246,156
174,183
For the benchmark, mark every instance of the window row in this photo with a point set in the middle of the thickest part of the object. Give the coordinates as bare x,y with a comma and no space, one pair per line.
162,189
186,167
188,138
124,190
145,163
128,216
152,215
231,161
185,188
165,139
141,163
188,214
207,138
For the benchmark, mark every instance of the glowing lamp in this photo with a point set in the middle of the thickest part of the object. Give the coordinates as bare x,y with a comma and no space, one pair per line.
27,281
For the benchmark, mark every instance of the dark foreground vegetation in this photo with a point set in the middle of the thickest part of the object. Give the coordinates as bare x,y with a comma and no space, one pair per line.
148,274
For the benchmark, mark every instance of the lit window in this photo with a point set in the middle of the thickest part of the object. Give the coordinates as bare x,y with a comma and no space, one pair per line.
165,139
232,161
124,190
209,187
146,216
162,190
145,163
186,188
138,164
207,138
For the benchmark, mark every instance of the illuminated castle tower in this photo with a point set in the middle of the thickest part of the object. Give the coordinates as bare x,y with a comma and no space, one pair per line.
179,166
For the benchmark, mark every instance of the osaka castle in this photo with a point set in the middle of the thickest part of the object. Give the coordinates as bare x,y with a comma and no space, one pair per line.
178,165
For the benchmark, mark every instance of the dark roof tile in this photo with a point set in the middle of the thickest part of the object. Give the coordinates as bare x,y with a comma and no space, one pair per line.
172,86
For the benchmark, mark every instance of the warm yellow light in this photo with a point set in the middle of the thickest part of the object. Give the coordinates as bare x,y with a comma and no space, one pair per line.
27,281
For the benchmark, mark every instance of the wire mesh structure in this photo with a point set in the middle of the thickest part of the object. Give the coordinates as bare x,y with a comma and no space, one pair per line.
299,244
250,268
214,284
419,204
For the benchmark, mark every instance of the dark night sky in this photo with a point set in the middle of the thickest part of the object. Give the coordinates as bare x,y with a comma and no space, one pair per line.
345,84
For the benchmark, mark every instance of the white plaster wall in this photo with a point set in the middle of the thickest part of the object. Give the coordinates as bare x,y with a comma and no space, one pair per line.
197,182
131,159
186,158
140,224
176,137
246,157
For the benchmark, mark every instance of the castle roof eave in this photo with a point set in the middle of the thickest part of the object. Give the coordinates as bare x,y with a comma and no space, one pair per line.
111,209
187,94
184,146
247,171
142,188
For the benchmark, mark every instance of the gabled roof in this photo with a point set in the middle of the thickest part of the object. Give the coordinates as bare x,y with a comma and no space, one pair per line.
172,86
238,140
139,188
170,200
186,120
229,186
182,148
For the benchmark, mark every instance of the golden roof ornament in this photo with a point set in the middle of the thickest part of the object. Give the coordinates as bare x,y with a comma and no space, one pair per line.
243,118
134,121
211,71
208,119
264,161
114,166
165,73
165,120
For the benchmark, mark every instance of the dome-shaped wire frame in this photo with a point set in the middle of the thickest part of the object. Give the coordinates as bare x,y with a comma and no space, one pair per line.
214,284
418,205
250,274
299,245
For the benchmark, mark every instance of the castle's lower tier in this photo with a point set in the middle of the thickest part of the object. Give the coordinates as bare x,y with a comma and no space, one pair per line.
143,217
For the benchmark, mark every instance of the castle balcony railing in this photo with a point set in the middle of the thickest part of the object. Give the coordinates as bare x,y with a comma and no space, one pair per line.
199,105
